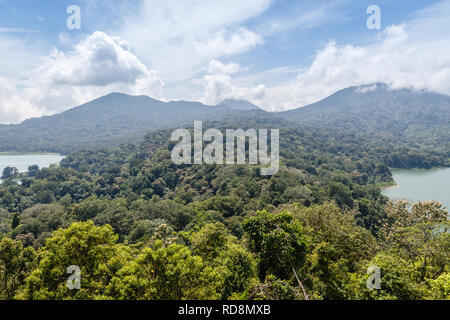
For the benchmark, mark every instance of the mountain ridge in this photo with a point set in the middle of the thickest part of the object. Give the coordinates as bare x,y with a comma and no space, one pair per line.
117,118
107,121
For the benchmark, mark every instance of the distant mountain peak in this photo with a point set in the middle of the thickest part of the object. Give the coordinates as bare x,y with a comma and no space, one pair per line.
376,105
236,104
118,98
115,94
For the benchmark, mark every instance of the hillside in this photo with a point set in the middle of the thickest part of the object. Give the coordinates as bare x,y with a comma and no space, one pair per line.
411,116
107,121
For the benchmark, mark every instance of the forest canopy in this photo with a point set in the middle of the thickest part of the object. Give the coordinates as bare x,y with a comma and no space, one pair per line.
140,227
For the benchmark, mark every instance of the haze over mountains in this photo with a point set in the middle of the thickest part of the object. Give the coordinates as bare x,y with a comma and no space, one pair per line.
118,118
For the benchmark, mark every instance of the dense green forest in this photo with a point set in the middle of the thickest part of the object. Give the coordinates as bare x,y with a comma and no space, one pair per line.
140,227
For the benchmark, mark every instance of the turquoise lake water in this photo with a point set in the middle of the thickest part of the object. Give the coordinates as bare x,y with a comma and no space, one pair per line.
421,185
22,162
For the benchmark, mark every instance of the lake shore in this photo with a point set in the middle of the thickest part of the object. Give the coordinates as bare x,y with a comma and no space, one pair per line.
29,154
23,161
387,185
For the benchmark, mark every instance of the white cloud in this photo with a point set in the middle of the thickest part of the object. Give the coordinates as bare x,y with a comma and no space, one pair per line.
401,56
239,41
96,66
398,58
17,56
99,60
366,89
414,54
178,38
13,105
304,14
216,66
218,85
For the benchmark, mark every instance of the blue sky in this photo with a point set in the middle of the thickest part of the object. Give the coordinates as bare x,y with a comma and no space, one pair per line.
279,54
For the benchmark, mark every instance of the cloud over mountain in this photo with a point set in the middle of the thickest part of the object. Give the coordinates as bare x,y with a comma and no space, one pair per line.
95,66
218,85
98,60
180,37
399,57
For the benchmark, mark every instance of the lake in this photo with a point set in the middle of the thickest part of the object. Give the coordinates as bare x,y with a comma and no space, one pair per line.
22,162
421,185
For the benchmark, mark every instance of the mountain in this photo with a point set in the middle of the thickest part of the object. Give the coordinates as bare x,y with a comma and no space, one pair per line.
241,105
108,121
418,116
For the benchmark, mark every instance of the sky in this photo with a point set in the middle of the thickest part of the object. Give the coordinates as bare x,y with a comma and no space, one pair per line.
278,54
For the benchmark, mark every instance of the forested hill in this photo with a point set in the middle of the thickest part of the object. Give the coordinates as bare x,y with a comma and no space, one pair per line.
108,121
408,115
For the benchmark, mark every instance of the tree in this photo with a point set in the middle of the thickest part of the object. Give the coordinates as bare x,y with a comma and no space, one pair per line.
278,241
33,170
15,221
337,248
210,240
93,249
239,272
440,288
40,218
89,209
166,273
15,263
399,279
341,193
10,173
229,206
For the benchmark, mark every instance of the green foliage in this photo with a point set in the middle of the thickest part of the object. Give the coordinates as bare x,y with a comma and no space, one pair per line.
337,248
10,173
440,287
166,273
209,241
15,264
93,249
278,241
399,279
